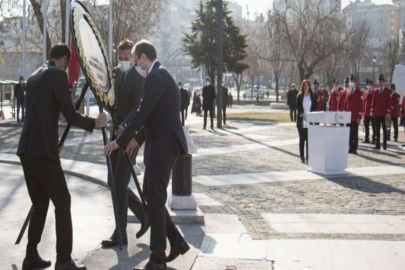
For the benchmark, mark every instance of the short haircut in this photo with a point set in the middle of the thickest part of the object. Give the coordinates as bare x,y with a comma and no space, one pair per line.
144,47
126,44
21,78
60,50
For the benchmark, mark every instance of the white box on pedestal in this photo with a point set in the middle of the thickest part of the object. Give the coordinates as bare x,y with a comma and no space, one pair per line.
328,142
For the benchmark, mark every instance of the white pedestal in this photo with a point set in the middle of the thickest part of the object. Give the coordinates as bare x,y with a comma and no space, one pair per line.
182,202
328,145
192,149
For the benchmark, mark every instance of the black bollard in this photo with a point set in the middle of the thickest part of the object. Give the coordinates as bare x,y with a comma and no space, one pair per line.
181,176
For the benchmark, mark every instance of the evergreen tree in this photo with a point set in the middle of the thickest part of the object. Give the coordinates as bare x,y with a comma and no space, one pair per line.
201,44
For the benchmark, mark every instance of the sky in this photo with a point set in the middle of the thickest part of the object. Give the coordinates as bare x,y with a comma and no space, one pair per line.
260,6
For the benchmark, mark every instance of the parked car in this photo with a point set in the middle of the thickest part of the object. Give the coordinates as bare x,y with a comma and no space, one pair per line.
252,93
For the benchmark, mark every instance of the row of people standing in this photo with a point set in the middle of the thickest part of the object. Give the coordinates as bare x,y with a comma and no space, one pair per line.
379,106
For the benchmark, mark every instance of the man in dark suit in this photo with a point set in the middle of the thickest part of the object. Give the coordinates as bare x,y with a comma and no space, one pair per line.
209,95
224,102
129,88
159,116
47,96
185,102
292,102
19,95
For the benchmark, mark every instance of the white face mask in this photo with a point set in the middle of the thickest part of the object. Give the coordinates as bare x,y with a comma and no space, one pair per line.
124,65
142,71
207,83
351,84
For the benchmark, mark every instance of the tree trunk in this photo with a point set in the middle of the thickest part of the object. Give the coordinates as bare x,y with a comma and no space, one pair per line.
36,6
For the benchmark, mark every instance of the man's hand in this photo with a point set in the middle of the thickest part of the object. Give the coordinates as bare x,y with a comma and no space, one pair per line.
304,117
372,114
101,120
109,148
60,148
133,144
119,130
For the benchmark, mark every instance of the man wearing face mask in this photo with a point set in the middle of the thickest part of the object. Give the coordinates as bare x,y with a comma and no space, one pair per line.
19,95
354,104
129,89
368,95
159,116
334,96
380,109
342,96
319,93
48,95
394,112
209,95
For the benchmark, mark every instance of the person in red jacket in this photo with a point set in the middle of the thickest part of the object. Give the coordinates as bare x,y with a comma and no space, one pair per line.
320,96
334,96
380,109
394,112
354,104
342,96
403,113
368,96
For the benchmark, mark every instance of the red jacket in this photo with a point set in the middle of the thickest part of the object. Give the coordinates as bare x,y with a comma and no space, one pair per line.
403,107
334,99
381,103
395,104
320,99
368,97
354,103
341,102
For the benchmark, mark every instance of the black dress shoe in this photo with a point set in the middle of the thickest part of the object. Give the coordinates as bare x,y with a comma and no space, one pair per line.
70,265
144,228
113,241
177,250
366,141
151,265
354,153
37,263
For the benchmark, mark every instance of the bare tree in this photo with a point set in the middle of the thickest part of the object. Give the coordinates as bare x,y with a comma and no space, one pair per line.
391,55
307,26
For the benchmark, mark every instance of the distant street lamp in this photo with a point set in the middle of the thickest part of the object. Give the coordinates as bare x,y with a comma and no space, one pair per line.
374,60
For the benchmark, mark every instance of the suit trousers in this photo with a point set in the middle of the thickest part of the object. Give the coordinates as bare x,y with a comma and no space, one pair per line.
183,112
394,121
354,136
46,181
20,104
303,133
211,110
224,114
126,198
293,114
159,166
367,121
380,122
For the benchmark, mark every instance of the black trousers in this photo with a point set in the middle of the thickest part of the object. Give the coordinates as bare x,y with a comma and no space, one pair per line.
46,181
293,114
395,126
380,121
159,166
354,137
367,121
126,198
224,114
20,104
211,110
182,116
303,133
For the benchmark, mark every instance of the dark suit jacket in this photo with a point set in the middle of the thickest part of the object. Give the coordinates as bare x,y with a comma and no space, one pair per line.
19,91
209,95
128,94
224,97
47,95
185,98
300,107
159,115
292,98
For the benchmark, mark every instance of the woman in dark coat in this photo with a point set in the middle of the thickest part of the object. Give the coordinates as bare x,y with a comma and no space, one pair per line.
306,102
196,107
